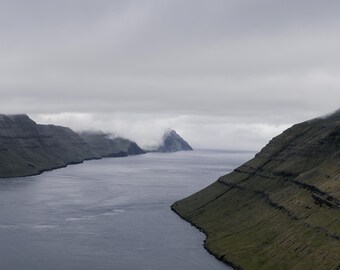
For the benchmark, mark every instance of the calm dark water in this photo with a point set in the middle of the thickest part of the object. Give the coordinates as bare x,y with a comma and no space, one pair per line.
109,214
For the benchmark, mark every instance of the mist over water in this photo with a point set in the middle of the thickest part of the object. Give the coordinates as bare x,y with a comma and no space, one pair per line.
109,214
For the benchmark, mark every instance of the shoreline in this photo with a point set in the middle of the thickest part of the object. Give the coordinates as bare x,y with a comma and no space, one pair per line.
64,166
77,163
49,169
222,259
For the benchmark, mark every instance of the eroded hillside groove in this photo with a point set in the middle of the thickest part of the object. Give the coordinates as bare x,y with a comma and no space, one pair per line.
321,198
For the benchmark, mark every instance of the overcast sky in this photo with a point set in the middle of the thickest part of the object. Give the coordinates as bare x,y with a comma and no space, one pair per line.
224,74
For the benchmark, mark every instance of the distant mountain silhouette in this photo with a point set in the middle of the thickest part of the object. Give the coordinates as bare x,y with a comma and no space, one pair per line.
172,142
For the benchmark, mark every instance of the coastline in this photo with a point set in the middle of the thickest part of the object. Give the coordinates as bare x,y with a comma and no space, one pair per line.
49,169
222,259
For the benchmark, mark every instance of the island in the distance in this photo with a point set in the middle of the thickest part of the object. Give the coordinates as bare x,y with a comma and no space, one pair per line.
171,142
28,148
280,210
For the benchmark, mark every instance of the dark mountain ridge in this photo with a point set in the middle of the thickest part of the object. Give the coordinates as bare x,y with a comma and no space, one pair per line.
27,148
108,145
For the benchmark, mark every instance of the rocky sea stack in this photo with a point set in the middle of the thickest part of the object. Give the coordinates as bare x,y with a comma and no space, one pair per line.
280,210
172,142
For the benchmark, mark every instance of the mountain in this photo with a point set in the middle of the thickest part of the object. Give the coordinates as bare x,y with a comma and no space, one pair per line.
172,142
27,148
280,210
109,146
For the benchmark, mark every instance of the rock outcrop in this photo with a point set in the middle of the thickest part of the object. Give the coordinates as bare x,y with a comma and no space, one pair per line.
280,210
27,148
107,145
172,142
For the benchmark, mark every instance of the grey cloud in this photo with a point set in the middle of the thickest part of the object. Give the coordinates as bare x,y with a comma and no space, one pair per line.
264,63
147,129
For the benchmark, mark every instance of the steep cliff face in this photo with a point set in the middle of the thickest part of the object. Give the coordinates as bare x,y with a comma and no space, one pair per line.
108,146
172,142
280,210
27,148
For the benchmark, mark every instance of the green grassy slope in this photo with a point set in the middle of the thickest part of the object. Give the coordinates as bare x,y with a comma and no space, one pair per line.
280,210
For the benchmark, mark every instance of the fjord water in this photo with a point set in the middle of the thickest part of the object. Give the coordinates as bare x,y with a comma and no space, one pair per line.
109,214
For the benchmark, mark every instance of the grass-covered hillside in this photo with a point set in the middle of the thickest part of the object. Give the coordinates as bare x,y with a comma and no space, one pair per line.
280,210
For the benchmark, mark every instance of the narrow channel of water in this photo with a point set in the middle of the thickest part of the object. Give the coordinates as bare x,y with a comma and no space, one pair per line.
109,214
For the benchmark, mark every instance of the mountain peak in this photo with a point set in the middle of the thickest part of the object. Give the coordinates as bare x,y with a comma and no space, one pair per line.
172,142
